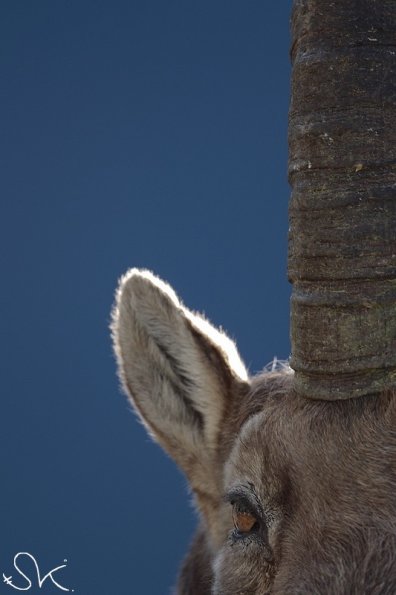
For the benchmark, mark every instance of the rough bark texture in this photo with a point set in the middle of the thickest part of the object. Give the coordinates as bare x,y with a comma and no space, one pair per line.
342,169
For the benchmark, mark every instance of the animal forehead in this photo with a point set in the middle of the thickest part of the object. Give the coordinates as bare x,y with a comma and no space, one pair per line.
270,418
315,446
285,444
253,459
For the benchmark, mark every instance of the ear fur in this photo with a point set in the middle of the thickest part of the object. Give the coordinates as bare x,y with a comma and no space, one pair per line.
177,369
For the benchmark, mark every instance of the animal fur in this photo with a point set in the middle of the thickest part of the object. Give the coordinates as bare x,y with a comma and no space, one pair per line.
322,474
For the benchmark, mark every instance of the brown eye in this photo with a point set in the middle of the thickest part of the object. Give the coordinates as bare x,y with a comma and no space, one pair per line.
244,520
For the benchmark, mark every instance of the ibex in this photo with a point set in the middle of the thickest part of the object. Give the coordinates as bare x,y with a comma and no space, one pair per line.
295,496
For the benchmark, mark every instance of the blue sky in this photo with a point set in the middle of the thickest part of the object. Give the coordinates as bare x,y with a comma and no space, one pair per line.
149,134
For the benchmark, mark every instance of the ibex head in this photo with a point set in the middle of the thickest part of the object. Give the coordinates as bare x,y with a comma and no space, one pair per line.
295,496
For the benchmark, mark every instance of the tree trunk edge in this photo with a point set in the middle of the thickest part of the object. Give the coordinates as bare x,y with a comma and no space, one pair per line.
342,169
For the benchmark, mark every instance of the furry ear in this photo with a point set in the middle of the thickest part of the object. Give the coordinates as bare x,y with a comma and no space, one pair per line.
177,369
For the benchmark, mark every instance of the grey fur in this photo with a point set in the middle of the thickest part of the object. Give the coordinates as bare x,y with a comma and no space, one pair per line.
323,474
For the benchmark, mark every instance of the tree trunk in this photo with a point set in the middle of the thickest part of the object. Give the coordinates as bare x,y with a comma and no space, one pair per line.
342,169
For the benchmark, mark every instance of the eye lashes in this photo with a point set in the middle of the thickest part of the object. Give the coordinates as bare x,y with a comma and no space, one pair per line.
246,497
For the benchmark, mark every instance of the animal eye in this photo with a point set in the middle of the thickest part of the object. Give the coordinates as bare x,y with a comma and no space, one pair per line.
245,521
250,522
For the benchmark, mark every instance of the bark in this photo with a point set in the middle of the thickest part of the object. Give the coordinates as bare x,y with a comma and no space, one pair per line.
342,169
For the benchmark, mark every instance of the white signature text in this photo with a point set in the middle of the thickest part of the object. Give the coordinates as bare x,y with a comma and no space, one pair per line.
40,579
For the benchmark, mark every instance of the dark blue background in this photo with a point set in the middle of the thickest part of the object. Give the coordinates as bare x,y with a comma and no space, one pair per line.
150,134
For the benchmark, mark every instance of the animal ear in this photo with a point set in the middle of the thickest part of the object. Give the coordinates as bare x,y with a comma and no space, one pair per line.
177,369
